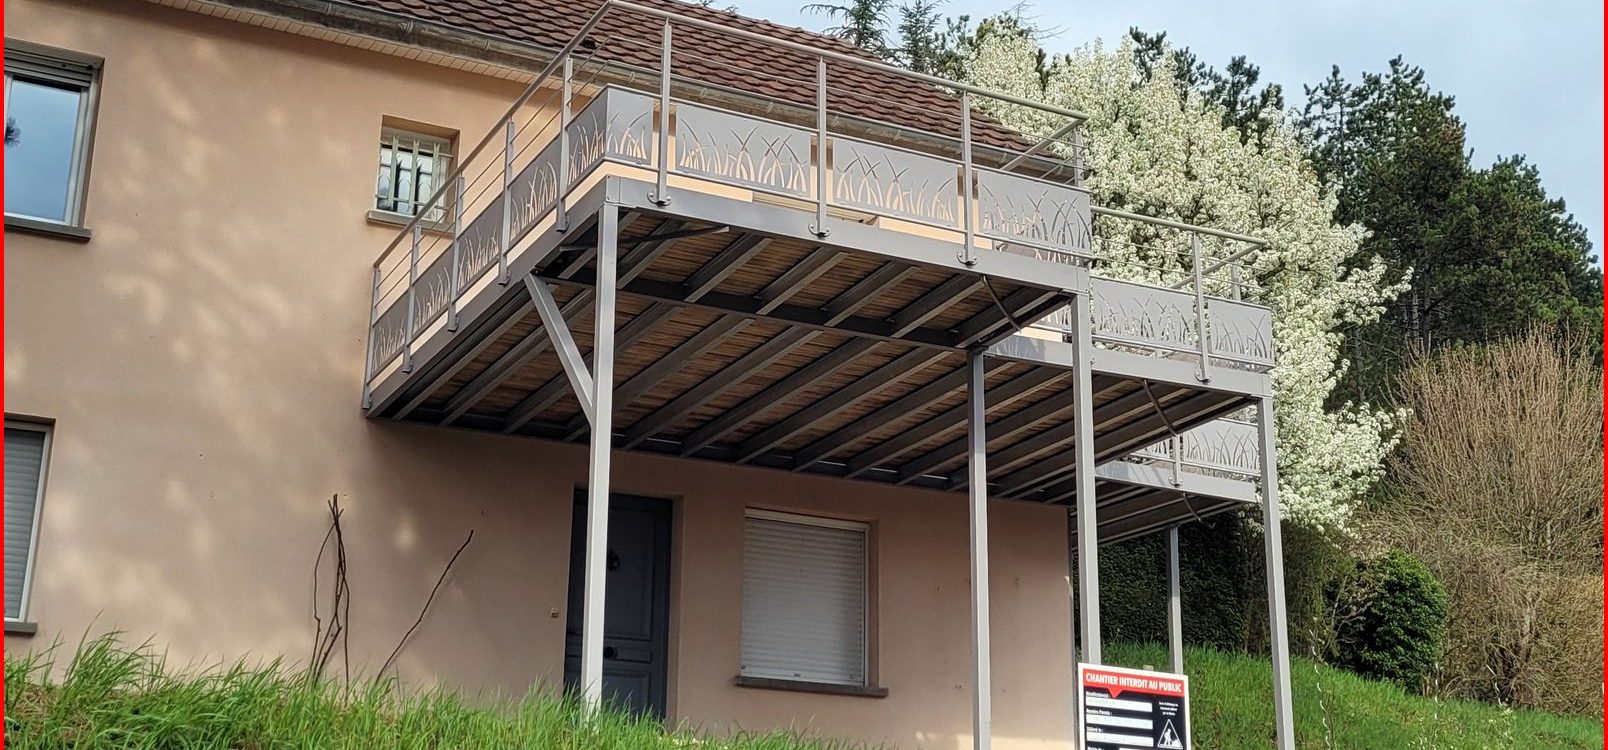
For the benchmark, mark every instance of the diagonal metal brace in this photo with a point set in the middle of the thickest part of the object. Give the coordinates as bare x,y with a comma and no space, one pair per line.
569,354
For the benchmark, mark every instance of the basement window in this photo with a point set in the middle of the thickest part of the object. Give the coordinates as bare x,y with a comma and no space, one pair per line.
805,606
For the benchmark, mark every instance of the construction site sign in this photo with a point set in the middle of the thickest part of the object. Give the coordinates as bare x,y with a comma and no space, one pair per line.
1124,709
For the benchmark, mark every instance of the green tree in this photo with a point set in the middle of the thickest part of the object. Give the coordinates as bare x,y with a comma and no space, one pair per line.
863,23
1486,252
1249,106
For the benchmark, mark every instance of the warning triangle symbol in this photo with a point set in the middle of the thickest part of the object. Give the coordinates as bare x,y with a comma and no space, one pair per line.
1169,737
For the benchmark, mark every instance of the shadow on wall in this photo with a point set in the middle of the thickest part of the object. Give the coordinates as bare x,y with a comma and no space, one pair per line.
202,356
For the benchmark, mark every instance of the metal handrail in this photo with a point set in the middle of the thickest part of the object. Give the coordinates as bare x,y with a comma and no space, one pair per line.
508,117
510,126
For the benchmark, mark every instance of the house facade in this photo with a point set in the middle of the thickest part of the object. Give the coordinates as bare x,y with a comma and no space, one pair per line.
263,253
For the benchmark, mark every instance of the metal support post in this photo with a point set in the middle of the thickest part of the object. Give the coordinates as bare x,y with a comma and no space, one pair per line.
1175,452
507,205
1175,607
968,252
1278,627
599,445
1088,521
1202,336
977,489
1077,156
457,242
820,229
561,216
368,360
661,189
413,310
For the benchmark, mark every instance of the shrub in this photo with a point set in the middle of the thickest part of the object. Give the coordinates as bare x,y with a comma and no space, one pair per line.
1390,620
1133,584
1498,489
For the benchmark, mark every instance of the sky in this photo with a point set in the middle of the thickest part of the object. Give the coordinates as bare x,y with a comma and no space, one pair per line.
1527,75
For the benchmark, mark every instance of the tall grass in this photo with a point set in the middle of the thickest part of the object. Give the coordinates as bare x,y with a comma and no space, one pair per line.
114,696
1231,699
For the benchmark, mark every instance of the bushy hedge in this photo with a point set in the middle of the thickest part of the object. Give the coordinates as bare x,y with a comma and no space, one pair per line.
1133,585
1390,620
1224,585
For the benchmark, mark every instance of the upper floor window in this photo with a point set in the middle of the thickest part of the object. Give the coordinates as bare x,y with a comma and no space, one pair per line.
27,452
50,103
412,167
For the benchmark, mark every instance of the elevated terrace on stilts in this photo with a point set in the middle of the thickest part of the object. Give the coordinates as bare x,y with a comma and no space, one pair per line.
807,275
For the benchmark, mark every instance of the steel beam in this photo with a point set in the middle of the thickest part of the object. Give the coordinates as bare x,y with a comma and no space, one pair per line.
801,275
775,293
787,314
1182,414
914,401
1022,305
866,290
1114,445
1042,472
455,365
694,347
550,392
597,485
742,369
952,418
558,332
1175,606
648,248
1004,428
1087,521
775,394
977,439
510,362
840,399
1277,617
724,264
932,304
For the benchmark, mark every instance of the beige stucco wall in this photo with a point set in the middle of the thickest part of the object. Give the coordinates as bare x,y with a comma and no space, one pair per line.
201,359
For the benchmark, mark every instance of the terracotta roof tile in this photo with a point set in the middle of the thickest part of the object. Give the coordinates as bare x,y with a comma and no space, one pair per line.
720,59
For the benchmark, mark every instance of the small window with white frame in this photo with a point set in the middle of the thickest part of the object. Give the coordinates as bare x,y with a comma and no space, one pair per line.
412,166
806,594
50,112
27,453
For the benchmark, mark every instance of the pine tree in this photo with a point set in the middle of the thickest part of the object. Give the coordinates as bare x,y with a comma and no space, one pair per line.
1486,252
863,23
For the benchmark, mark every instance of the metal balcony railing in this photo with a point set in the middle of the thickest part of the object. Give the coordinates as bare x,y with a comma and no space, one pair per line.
1227,447
815,140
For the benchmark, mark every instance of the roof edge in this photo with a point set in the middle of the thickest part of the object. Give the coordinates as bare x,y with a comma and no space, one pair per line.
429,36
517,60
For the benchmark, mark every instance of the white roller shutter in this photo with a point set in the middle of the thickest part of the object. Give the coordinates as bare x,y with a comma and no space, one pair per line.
25,461
804,599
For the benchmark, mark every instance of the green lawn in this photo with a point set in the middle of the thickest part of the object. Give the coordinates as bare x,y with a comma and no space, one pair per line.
112,696
1231,698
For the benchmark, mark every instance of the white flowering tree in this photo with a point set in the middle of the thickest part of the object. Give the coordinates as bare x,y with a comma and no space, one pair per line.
1157,150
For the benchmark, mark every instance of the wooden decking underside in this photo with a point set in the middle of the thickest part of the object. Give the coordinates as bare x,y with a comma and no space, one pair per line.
786,354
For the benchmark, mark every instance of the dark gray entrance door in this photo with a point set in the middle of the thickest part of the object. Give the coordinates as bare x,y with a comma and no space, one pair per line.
636,623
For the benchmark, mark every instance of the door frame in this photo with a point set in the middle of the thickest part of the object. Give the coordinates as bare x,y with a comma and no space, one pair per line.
665,509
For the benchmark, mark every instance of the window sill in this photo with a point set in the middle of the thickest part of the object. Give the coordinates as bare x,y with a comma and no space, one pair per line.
20,627
47,228
802,686
391,218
